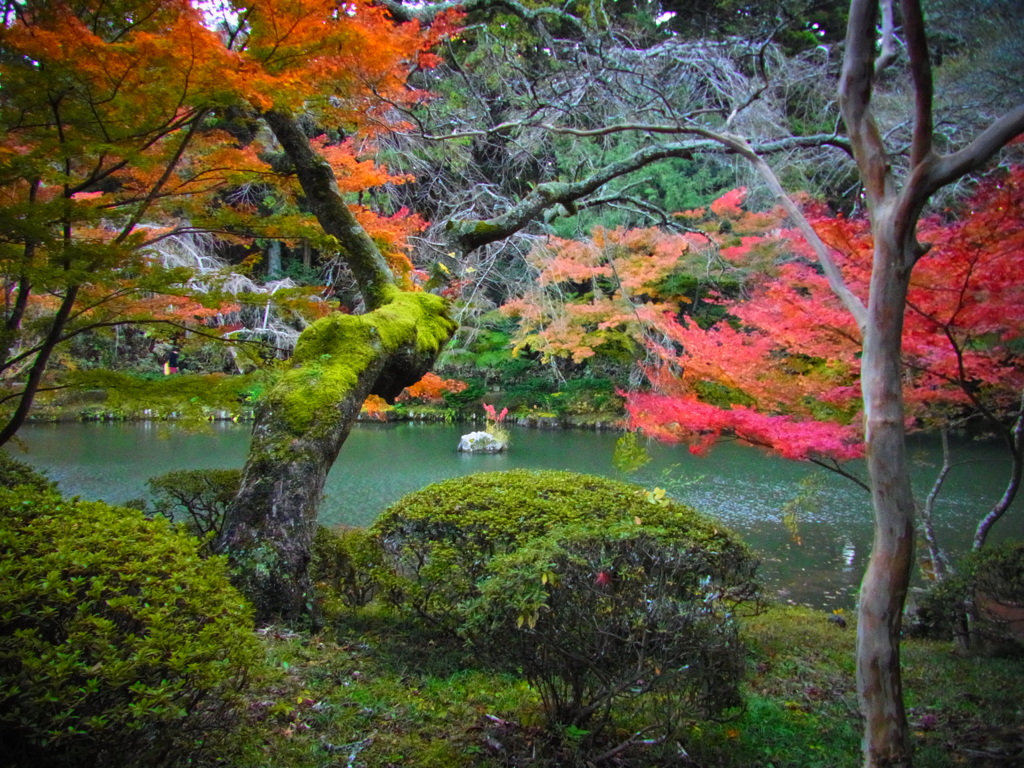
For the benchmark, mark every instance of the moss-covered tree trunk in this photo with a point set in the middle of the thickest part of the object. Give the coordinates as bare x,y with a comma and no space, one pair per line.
302,423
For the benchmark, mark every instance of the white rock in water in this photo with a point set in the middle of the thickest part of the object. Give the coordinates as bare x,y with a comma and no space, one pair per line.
480,442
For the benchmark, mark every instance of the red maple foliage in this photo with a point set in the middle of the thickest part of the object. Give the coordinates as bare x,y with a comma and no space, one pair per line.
785,365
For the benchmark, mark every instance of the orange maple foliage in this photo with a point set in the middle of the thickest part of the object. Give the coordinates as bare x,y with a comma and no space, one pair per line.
126,123
431,389
375,408
600,294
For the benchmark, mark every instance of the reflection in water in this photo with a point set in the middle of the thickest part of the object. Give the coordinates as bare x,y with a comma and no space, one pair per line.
381,463
849,555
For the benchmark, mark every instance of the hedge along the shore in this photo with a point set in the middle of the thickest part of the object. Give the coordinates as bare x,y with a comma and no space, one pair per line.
440,540
119,644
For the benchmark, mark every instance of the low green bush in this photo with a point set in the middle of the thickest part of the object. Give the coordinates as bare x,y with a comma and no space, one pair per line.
14,473
344,567
119,644
439,541
982,602
197,497
617,620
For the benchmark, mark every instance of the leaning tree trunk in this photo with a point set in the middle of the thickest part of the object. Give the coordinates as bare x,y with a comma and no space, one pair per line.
304,420
300,427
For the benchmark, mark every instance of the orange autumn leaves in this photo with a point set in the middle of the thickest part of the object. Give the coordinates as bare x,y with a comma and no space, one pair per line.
781,368
126,122
583,300
430,390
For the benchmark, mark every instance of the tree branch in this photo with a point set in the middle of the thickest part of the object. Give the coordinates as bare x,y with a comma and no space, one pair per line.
425,13
985,145
468,235
835,279
316,177
1015,443
921,72
888,53
855,88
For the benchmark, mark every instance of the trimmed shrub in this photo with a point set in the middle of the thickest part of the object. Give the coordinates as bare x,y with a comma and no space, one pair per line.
14,473
439,541
982,603
343,568
119,644
198,497
623,619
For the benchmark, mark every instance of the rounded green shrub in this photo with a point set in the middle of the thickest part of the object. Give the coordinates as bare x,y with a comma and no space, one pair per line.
119,644
981,604
343,567
14,473
623,620
439,541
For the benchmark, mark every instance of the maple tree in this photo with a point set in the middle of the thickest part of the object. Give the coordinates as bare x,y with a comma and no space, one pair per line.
784,368
127,124
787,360
895,200
116,142
432,389
604,296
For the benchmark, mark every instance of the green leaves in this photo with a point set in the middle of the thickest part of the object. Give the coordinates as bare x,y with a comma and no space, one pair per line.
112,624
439,542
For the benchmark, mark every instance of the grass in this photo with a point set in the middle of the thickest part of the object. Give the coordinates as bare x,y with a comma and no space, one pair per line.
371,692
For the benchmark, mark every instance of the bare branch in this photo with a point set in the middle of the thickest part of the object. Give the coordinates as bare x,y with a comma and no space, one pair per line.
468,235
888,53
921,72
1015,444
855,89
835,278
948,168
427,12
321,188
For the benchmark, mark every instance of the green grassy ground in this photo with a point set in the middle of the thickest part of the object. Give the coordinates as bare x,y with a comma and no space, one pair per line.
370,693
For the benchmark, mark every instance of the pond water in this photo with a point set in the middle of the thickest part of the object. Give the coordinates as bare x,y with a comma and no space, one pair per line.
380,463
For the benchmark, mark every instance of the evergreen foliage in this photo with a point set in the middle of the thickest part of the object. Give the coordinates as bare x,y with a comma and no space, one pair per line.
197,497
344,567
440,541
601,619
990,582
119,644
15,473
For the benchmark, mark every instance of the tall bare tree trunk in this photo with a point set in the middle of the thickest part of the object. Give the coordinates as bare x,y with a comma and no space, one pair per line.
886,580
894,210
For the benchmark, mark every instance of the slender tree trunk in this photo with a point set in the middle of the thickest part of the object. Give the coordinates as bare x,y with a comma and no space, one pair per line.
1014,439
887,578
940,564
38,369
